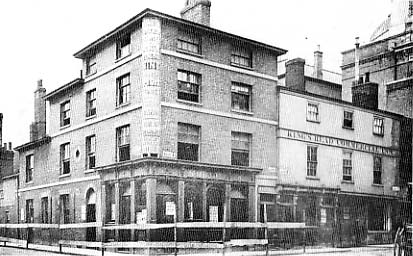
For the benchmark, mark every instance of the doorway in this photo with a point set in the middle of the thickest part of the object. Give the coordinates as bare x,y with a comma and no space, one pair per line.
91,214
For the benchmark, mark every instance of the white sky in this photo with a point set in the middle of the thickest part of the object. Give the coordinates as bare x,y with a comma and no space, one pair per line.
39,37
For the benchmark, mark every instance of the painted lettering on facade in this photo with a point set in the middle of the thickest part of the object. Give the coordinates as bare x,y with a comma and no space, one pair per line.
338,142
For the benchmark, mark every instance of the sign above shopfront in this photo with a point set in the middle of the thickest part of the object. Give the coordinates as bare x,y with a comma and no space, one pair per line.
337,142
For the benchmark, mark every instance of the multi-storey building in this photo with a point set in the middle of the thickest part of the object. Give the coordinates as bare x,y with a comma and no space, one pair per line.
172,120
8,180
338,163
388,61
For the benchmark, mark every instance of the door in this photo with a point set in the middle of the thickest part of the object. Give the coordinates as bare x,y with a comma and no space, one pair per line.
91,217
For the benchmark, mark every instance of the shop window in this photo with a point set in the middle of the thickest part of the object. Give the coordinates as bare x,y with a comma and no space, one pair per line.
377,216
125,202
44,214
240,149
64,209
188,142
110,203
193,202
29,211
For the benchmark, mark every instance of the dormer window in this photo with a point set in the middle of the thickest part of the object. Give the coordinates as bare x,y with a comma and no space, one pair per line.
123,47
241,57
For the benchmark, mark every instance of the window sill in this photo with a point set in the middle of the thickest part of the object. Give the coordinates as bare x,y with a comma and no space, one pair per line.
64,127
90,117
348,182
243,67
122,105
348,128
123,57
378,135
90,171
313,121
242,112
189,102
312,178
64,175
378,185
190,53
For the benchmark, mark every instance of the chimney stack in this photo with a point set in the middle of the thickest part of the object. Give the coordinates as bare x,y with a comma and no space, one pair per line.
38,128
294,74
357,62
366,95
1,128
318,63
197,11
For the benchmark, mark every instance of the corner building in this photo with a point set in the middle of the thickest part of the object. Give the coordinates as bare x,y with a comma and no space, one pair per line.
172,120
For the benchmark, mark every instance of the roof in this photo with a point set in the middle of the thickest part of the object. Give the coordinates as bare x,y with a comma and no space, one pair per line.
339,101
149,12
33,144
72,84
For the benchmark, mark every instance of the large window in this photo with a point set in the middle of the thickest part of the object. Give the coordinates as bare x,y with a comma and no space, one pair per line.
123,47
44,214
90,152
240,149
123,143
65,113
312,112
311,161
378,216
189,43
378,126
64,209
377,170
241,57
241,97
65,158
347,166
29,211
123,89
189,85
188,142
91,103
348,119
29,168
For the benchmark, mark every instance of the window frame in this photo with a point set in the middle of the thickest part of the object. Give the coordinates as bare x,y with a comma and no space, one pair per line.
236,138
184,139
190,40
345,126
312,163
44,210
197,84
90,141
241,54
348,166
65,113
91,103
91,67
234,92
64,200
310,114
377,170
29,167
120,48
120,87
64,158
378,129
29,211
123,144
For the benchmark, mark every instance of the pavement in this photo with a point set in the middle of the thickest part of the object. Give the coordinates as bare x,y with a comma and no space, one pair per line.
37,250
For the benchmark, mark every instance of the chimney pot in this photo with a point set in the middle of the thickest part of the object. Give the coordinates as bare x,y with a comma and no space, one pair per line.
10,146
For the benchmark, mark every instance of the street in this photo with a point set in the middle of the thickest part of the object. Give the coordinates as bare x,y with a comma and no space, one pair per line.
364,251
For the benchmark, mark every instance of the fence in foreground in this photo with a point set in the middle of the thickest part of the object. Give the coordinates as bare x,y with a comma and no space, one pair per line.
151,239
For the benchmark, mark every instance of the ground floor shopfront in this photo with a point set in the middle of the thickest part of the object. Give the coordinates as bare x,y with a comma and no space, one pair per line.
333,217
